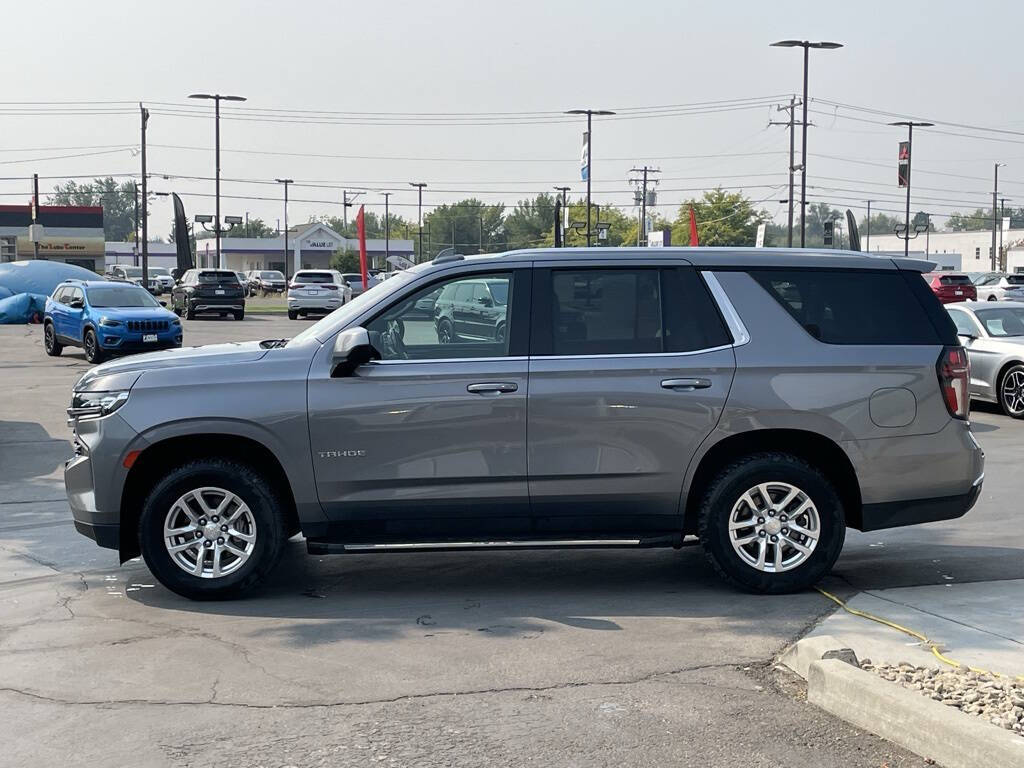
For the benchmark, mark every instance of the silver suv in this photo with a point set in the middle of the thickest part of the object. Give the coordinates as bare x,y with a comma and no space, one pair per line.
759,401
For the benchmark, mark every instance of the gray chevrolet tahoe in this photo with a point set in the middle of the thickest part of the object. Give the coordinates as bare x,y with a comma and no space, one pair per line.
758,401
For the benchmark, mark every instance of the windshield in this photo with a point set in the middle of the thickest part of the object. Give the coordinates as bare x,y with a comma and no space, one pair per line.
161,271
353,278
499,290
120,296
354,308
272,275
1015,279
132,271
217,276
313,277
1002,322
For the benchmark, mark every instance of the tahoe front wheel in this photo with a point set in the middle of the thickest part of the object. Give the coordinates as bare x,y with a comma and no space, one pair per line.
212,529
772,523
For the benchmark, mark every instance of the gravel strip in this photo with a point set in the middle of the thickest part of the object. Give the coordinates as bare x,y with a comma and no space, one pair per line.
1000,700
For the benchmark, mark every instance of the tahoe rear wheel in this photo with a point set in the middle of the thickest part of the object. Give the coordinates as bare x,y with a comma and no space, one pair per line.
772,523
212,529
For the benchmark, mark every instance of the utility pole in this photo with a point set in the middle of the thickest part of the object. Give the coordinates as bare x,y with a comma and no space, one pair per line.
1002,215
144,114
565,210
419,213
387,231
286,182
590,152
135,250
346,203
994,258
641,232
790,125
868,248
910,124
35,213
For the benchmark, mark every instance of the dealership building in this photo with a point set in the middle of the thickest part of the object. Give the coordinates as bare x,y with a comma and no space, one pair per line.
69,233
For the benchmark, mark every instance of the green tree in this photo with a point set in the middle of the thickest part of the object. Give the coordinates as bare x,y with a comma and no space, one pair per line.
970,222
817,215
345,260
256,228
723,218
530,221
400,228
881,224
471,225
118,201
618,225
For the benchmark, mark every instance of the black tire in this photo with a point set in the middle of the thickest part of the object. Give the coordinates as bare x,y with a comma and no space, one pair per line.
292,314
190,311
992,297
726,490
445,332
243,481
239,315
50,343
1008,399
499,333
91,344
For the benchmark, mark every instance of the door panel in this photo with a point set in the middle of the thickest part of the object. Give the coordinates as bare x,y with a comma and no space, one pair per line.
608,444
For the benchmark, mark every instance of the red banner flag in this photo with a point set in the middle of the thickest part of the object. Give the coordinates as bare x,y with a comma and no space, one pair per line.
361,229
693,227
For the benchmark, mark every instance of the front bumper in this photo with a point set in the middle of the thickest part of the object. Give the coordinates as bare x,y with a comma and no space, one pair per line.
132,342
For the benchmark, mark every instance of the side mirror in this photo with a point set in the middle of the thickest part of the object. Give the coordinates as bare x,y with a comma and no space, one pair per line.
176,273
76,303
969,337
486,301
163,303
352,348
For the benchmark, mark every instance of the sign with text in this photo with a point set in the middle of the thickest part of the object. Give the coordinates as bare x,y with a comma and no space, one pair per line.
904,163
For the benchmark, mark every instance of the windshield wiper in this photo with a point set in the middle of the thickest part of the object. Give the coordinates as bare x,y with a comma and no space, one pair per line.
272,343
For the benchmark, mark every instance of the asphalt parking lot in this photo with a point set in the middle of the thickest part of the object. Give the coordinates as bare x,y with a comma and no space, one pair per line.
570,658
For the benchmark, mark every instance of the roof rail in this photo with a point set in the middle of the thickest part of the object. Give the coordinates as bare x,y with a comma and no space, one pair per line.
445,258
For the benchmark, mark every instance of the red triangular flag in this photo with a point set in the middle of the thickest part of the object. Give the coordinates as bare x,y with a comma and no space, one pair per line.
693,227
361,229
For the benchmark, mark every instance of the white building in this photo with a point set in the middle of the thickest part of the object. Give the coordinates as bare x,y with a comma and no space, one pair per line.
975,248
160,254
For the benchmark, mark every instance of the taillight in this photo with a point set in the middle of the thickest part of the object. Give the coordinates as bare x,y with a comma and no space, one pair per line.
329,287
954,372
293,285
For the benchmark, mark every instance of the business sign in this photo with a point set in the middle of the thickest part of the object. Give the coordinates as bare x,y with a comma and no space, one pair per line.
59,246
585,157
659,238
313,244
904,163
761,228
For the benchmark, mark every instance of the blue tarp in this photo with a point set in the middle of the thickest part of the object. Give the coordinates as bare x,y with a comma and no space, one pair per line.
24,286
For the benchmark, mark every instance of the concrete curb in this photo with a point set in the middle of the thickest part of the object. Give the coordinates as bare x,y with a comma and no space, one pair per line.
903,716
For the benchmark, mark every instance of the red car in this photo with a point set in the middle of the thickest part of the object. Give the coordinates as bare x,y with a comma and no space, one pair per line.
950,287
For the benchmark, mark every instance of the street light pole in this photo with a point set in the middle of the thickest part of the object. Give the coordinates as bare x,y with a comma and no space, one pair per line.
144,113
217,99
590,152
910,159
1002,215
419,213
806,45
286,182
994,258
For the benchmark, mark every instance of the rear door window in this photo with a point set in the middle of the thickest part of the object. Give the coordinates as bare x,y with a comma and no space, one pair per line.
853,307
314,277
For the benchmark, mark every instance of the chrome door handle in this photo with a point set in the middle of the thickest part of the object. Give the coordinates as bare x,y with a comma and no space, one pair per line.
496,387
685,385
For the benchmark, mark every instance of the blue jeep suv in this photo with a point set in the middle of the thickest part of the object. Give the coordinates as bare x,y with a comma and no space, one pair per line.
106,318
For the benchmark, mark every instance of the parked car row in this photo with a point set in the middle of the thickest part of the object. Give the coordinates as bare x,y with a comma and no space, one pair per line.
976,286
993,335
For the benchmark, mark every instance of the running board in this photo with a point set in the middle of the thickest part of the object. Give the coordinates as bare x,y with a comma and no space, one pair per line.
315,547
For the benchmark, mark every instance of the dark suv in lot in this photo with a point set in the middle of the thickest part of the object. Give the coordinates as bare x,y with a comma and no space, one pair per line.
758,402
208,291
472,309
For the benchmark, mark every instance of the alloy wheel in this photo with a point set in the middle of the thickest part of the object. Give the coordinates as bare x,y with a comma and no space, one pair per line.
1012,391
774,527
209,532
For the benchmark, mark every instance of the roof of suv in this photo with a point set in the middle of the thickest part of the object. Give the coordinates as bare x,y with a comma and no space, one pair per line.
711,257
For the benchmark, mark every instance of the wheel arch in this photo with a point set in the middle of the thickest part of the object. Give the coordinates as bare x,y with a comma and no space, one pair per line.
818,450
158,457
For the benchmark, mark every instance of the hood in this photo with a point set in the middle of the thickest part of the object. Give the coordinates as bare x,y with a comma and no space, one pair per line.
134,313
211,354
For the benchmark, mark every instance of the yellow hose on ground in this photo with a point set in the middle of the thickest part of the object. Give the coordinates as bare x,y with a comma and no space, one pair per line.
916,635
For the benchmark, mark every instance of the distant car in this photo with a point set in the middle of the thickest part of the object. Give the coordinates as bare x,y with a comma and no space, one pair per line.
355,281
208,291
316,292
243,280
950,287
472,309
266,282
994,339
998,286
164,280
107,318
130,274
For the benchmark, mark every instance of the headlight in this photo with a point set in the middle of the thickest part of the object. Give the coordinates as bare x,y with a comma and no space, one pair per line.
95,405
176,321
109,322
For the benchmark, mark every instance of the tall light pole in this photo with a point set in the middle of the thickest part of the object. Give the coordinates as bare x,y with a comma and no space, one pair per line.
994,259
217,99
144,114
286,182
590,151
910,124
419,212
806,45
387,231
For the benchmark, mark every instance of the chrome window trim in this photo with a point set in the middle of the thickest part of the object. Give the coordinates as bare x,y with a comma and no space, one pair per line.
519,359
732,318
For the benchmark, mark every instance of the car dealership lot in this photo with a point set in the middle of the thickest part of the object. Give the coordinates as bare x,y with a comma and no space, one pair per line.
570,658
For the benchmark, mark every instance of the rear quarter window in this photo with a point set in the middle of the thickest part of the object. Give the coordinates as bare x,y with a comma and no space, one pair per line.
860,307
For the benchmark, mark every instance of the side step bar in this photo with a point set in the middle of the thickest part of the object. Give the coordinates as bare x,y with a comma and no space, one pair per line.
319,547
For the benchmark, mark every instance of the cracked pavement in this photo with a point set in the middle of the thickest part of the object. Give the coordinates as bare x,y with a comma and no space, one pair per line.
572,658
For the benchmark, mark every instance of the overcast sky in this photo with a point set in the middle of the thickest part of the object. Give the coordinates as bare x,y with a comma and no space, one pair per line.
952,61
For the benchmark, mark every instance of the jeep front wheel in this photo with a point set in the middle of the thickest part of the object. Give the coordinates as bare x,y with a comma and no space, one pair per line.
212,529
772,523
